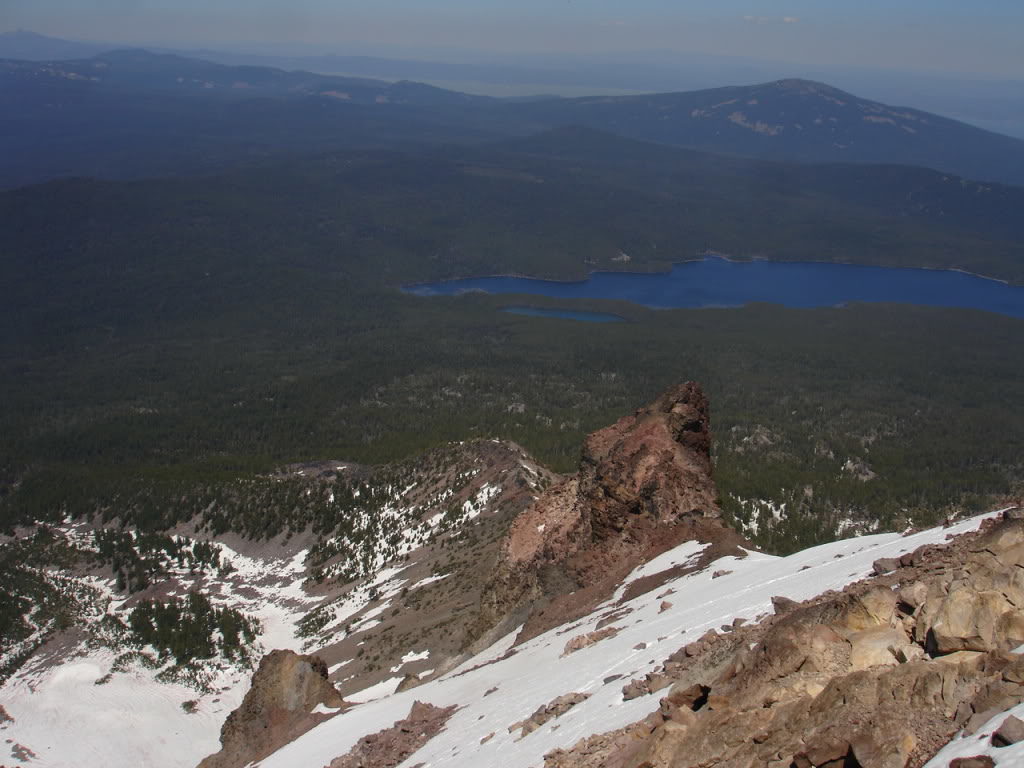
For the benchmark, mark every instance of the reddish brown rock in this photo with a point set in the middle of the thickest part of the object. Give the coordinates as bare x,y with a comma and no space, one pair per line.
978,761
544,714
391,746
644,486
583,641
278,708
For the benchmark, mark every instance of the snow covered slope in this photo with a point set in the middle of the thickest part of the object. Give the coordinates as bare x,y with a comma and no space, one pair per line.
87,699
505,685
77,703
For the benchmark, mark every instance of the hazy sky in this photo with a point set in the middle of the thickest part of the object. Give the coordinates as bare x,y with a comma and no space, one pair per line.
984,36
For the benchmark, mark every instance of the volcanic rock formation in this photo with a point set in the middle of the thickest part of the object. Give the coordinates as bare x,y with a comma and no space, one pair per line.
286,689
644,486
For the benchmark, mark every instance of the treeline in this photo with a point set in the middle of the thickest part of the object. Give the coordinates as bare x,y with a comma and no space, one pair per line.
137,559
35,599
192,629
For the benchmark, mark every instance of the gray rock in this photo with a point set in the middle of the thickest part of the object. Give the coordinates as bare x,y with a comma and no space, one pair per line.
979,719
885,565
1010,732
783,604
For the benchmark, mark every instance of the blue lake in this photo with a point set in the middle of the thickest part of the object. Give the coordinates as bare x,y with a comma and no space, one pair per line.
717,282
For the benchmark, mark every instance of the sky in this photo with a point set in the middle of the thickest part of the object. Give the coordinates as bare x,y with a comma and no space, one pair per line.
982,37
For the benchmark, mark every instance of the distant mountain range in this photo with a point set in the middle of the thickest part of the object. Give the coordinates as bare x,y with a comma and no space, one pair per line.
796,120
135,113
140,70
31,46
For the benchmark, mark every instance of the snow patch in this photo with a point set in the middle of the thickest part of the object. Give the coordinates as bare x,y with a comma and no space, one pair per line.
980,743
383,688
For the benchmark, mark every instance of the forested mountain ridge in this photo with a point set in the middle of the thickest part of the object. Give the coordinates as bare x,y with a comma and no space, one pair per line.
139,71
125,114
132,114
797,120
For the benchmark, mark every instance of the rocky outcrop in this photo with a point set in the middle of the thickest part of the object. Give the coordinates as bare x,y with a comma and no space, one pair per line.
393,745
548,712
281,705
579,642
880,675
644,485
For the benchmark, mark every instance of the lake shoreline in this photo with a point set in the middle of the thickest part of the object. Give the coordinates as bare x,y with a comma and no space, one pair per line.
716,280
705,256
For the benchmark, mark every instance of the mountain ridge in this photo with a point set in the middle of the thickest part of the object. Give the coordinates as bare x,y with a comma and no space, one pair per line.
62,113
799,120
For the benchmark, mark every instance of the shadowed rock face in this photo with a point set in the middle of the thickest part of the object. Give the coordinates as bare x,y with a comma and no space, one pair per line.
644,486
654,465
278,708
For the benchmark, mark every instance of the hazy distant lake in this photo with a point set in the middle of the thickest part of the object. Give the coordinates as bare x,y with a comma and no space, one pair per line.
716,282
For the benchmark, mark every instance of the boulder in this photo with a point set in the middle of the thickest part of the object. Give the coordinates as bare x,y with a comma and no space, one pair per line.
977,761
878,647
1003,536
885,565
913,595
580,642
1010,630
547,712
967,620
883,747
876,607
1010,732
827,751
783,604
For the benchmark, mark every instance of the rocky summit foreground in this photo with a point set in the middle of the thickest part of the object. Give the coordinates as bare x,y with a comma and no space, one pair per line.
881,674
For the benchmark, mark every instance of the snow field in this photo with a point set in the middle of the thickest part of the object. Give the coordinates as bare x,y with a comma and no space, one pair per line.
537,672
74,716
